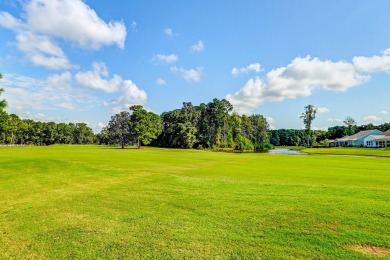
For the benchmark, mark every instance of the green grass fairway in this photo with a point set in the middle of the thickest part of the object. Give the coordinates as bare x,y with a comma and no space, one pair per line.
99,202
381,152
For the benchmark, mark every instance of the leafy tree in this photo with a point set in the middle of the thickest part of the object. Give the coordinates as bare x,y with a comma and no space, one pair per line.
350,123
179,127
336,132
145,126
308,116
259,128
119,129
83,134
185,135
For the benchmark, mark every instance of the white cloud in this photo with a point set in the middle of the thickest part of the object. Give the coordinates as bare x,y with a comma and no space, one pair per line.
44,21
271,122
374,63
75,21
321,128
189,75
134,26
161,82
322,110
131,95
42,51
10,22
249,97
298,79
372,118
169,32
162,59
256,67
335,120
93,79
101,125
198,47
26,95
384,112
66,105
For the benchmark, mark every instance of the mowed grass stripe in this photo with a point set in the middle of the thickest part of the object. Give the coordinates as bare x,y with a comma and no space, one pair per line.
100,202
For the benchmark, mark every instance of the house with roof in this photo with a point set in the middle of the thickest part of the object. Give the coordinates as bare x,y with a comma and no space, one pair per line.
382,140
356,140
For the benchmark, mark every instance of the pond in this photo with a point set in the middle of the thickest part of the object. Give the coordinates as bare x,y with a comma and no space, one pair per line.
286,151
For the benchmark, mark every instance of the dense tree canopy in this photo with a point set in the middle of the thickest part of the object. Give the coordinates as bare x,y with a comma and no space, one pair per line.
14,130
210,125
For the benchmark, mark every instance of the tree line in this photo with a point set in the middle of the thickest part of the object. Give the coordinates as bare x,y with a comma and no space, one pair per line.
14,130
294,137
211,125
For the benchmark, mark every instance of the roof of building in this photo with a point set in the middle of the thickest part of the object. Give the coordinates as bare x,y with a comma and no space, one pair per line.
387,133
356,136
381,137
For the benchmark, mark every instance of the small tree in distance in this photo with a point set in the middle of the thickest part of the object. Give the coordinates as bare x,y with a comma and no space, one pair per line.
308,116
350,123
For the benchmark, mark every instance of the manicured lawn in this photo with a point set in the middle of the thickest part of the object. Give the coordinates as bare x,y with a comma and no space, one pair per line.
382,152
99,202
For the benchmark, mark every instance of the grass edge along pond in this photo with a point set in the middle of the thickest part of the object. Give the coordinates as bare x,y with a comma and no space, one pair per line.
103,202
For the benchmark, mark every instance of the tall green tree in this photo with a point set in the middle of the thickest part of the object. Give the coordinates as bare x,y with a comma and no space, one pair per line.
119,129
308,116
145,126
351,124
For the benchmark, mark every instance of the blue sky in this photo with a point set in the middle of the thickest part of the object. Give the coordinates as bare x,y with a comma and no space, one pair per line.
84,61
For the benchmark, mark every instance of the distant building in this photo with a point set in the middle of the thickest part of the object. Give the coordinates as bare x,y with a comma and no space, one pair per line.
381,140
356,140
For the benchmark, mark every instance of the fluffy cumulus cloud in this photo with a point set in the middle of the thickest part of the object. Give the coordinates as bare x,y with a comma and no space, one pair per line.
42,51
131,95
271,122
255,67
75,21
374,63
189,75
164,59
372,118
44,21
198,47
98,79
300,78
249,97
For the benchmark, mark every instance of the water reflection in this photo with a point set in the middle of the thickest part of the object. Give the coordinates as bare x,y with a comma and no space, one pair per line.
285,151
